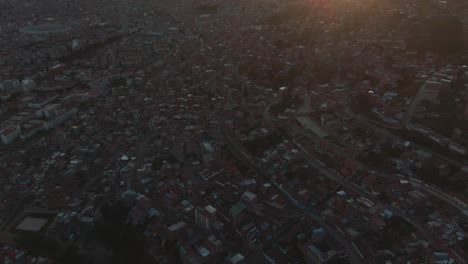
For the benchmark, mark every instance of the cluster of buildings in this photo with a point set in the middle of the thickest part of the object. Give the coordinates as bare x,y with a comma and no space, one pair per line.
228,132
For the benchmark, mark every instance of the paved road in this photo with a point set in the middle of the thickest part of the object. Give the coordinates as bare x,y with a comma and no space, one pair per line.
409,113
388,132
354,253
463,208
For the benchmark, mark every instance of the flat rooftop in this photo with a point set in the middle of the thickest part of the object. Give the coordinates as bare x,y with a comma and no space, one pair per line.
31,224
45,29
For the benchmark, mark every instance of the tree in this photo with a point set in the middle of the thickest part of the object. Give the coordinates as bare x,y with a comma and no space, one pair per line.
430,173
39,245
362,103
446,34
124,239
389,150
70,255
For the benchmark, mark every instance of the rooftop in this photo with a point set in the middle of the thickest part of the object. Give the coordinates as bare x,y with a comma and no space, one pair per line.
210,209
32,224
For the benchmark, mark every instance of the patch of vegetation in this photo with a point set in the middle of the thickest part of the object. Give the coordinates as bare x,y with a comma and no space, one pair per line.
441,34
159,160
259,144
39,245
381,157
396,228
125,240
362,104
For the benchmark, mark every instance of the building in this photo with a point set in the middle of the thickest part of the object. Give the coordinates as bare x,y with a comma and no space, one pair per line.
318,235
457,147
41,101
57,69
59,119
175,230
312,126
249,197
213,244
205,216
47,111
9,134
28,85
31,128
236,259
237,213
314,255
31,224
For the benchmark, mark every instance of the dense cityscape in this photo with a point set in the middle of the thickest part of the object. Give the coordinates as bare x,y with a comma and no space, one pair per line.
295,131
